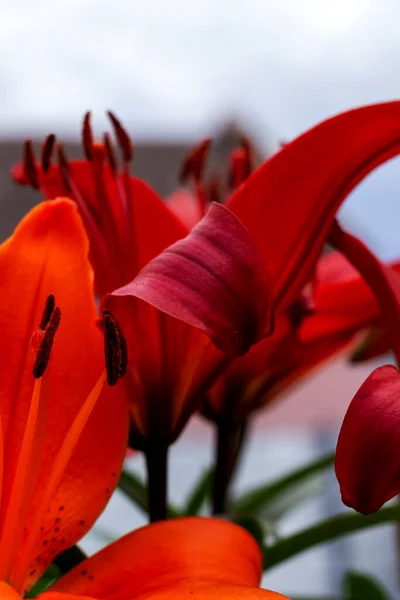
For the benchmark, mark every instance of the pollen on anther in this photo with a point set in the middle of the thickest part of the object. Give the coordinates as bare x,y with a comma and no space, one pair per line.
47,339
47,151
87,137
115,349
30,165
194,163
47,311
122,136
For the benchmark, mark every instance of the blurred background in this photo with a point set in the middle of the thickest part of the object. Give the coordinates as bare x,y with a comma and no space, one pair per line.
175,71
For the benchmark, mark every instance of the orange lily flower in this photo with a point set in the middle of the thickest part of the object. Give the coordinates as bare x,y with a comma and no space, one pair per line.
56,472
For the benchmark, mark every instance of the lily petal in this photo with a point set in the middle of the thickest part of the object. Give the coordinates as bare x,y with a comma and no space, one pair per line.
213,280
343,300
48,254
383,280
367,457
57,596
165,555
289,203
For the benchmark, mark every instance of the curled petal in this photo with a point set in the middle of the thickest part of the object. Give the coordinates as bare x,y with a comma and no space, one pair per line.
367,456
214,280
289,203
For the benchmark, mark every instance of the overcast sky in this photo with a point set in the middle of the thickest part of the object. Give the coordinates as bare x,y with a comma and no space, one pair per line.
181,67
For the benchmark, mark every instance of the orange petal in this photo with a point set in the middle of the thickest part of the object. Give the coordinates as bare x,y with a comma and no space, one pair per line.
7,592
48,254
214,592
58,596
165,555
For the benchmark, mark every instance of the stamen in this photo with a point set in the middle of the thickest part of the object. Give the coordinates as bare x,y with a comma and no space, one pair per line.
87,137
110,154
70,441
194,163
64,167
30,165
124,140
115,349
47,312
46,343
25,476
248,149
47,152
237,168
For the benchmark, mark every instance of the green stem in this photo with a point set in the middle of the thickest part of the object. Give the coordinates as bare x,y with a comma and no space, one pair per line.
69,559
229,442
326,531
157,466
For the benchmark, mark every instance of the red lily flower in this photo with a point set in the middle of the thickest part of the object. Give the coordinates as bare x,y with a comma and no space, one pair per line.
289,203
56,473
172,560
127,224
201,287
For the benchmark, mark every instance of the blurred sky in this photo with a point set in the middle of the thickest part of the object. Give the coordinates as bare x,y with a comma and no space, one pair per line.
181,67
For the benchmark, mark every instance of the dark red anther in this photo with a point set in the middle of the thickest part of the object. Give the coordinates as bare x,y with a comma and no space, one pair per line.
47,152
112,160
124,140
46,341
115,349
194,163
47,311
30,165
64,167
87,137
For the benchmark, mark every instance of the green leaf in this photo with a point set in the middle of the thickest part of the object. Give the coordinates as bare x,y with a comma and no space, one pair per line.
199,494
253,526
275,499
358,586
136,490
49,576
326,531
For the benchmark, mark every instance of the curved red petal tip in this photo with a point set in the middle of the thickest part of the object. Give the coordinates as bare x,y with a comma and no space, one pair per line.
215,280
193,164
288,204
367,455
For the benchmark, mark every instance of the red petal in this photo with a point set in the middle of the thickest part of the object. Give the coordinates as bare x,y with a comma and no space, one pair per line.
213,280
185,206
289,203
367,455
384,281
